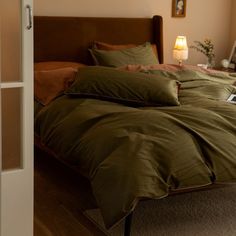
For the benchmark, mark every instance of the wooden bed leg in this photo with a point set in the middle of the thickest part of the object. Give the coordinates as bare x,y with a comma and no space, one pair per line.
128,221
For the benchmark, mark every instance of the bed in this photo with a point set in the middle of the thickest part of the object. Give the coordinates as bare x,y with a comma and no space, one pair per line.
173,131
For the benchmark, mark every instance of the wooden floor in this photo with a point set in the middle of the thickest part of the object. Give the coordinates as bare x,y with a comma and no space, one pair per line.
60,198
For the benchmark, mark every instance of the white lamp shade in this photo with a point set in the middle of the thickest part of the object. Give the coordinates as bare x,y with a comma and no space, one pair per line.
180,51
180,54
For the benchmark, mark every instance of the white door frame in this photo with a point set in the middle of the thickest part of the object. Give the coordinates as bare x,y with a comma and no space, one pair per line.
17,185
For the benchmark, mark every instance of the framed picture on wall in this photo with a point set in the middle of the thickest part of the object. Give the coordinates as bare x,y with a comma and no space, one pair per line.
232,57
178,8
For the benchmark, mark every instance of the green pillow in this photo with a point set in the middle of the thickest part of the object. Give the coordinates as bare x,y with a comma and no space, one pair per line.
140,55
129,88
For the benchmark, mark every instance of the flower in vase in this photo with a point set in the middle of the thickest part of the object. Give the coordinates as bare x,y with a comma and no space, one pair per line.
207,48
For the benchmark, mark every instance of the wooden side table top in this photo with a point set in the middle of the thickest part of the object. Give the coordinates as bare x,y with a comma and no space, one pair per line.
230,70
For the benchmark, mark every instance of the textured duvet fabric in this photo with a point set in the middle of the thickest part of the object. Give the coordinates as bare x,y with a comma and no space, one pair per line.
133,153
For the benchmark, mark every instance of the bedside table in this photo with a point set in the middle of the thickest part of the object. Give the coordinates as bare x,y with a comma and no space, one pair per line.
229,70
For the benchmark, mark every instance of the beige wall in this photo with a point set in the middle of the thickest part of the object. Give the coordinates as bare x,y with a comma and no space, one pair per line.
204,18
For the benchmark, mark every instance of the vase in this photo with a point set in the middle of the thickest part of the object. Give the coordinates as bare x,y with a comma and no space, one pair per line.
210,62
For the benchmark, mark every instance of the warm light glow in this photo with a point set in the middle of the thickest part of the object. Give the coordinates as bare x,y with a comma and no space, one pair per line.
180,51
181,43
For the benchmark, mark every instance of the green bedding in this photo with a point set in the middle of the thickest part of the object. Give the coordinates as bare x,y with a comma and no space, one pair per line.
130,153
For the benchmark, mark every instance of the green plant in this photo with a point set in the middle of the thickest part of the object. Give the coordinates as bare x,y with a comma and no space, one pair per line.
207,48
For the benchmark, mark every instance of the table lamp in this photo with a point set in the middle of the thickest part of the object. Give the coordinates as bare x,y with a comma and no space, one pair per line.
180,51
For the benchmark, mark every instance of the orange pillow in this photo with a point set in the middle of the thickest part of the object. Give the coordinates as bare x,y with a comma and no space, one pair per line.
111,47
52,65
49,84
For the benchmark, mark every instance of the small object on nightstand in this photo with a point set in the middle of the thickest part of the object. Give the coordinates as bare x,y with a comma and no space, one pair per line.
204,66
225,63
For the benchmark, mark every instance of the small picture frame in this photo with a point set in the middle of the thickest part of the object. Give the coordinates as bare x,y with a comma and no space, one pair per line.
178,8
232,57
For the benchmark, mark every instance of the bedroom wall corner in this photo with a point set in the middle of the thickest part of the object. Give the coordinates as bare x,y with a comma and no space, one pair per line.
203,19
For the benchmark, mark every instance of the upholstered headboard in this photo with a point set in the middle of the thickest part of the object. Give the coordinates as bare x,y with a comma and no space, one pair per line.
68,38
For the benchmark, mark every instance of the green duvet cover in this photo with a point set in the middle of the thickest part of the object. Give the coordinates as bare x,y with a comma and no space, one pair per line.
131,153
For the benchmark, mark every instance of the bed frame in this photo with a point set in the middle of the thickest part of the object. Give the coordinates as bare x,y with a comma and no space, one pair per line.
68,39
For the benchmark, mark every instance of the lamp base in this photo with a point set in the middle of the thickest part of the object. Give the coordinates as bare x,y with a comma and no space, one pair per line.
180,55
180,63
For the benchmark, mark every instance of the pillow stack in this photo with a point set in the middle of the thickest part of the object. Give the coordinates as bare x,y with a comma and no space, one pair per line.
52,78
121,55
128,88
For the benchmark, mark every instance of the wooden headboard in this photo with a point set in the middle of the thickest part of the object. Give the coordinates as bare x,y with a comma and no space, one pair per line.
68,38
